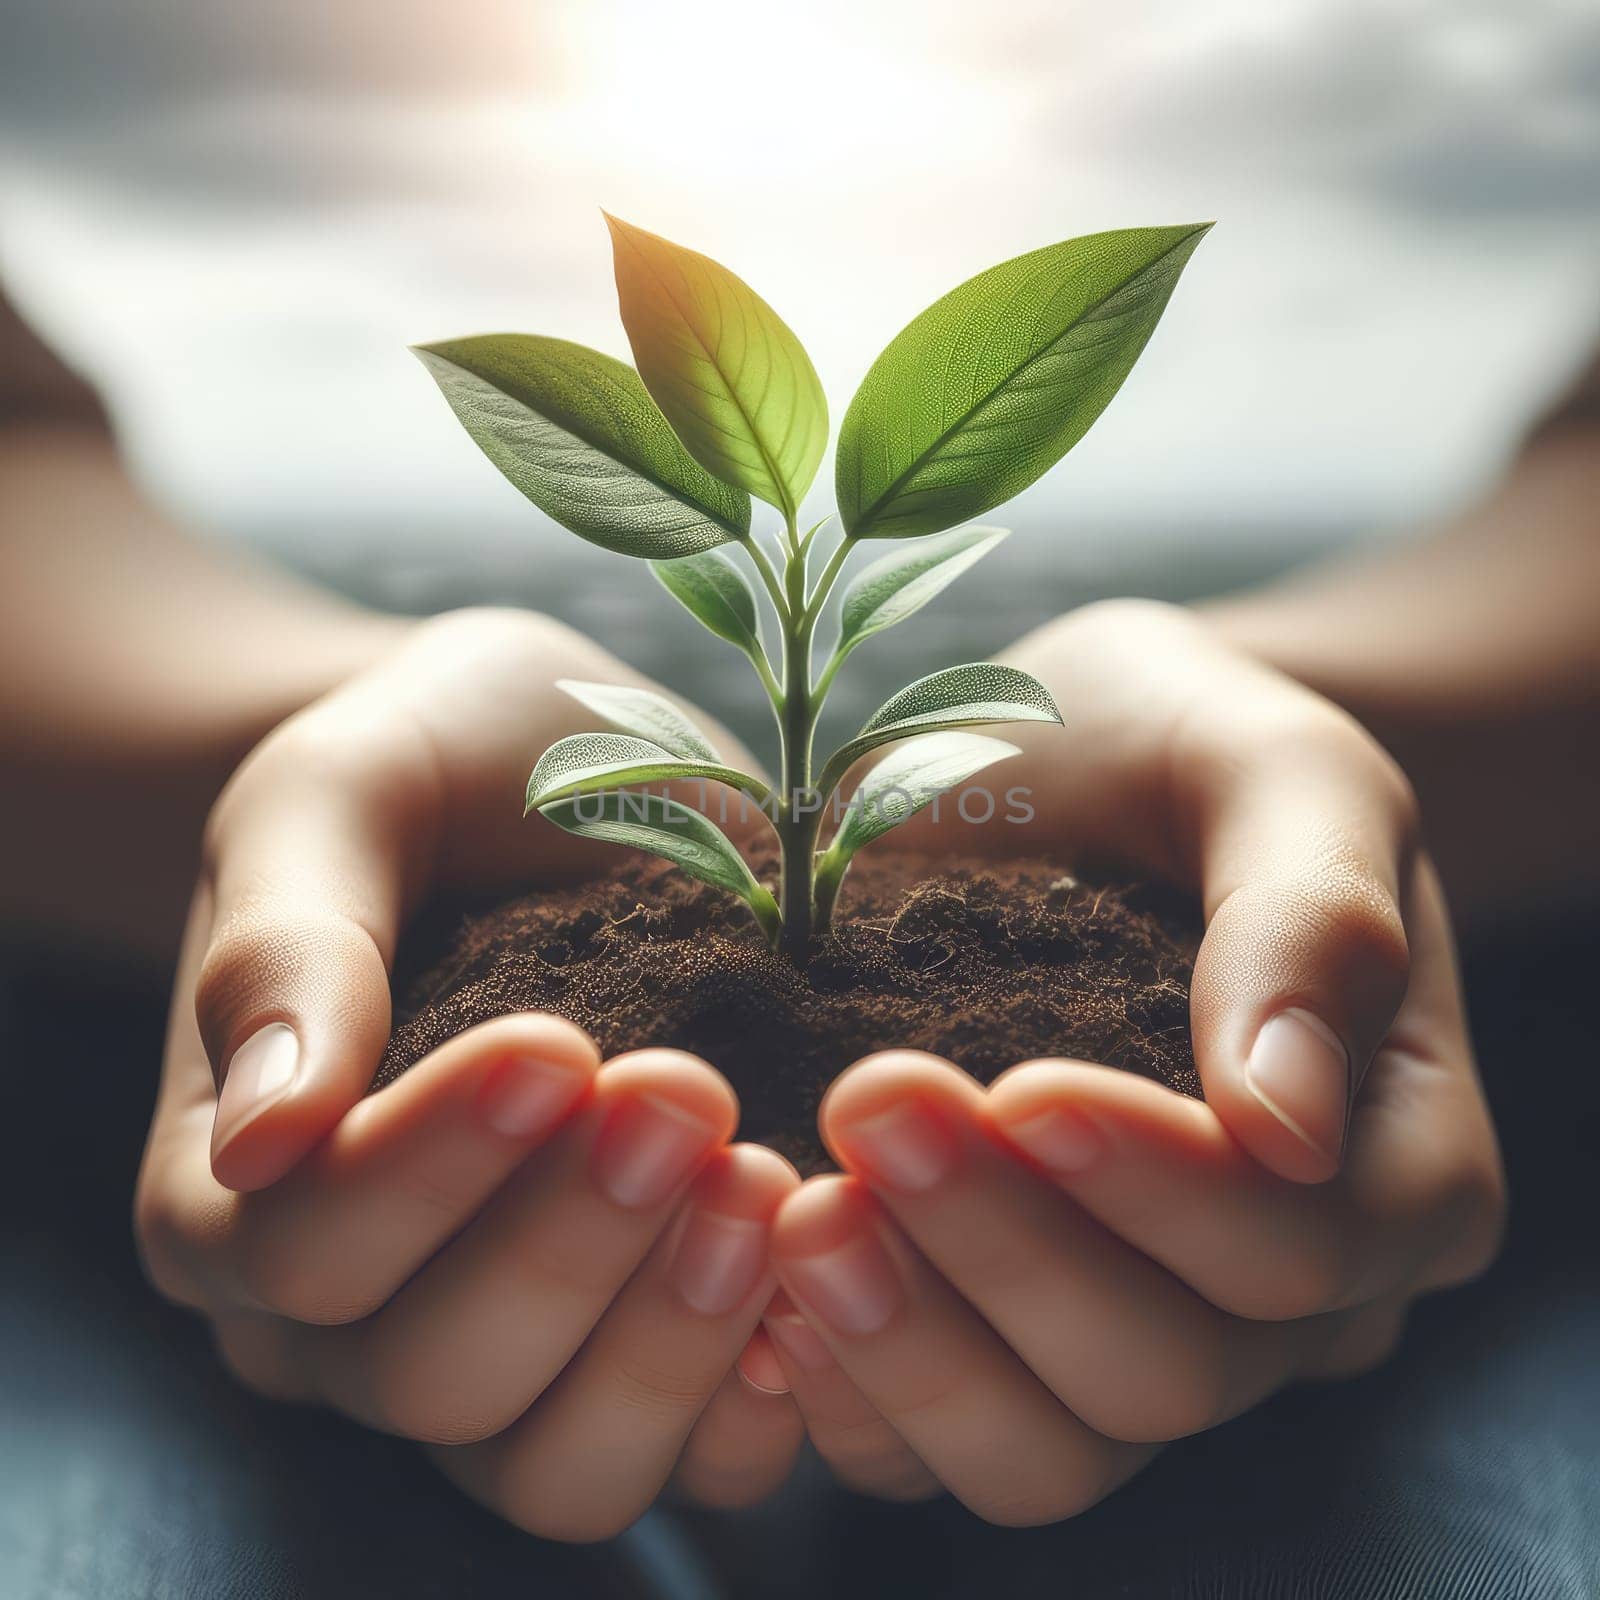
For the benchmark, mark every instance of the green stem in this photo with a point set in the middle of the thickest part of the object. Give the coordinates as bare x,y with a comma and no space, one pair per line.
769,577
798,820
768,682
829,875
767,914
819,691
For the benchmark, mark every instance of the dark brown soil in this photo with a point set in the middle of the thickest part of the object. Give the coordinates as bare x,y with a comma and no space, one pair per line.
984,963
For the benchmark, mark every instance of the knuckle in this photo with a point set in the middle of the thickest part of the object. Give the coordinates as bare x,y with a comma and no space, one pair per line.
557,1266
900,1481
658,1391
569,1517
161,1235
1363,1341
1188,1398
728,1486
867,1455
407,1401
286,1278
1293,1284
924,1399
1034,1503
434,1191
255,1356
1475,1201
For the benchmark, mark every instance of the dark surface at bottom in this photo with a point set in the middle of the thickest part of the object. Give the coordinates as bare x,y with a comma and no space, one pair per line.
130,1466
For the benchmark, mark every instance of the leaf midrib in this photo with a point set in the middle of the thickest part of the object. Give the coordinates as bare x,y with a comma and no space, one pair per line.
1022,366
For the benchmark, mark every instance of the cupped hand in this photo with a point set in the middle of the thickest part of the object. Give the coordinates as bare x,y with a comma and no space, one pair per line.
1019,1293
544,1265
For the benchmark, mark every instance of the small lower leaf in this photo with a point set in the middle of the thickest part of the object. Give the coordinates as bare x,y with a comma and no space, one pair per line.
901,583
716,593
677,833
958,697
587,763
644,714
907,780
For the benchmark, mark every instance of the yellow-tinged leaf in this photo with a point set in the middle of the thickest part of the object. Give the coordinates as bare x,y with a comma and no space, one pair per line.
723,366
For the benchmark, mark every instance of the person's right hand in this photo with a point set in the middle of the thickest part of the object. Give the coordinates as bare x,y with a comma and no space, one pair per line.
544,1265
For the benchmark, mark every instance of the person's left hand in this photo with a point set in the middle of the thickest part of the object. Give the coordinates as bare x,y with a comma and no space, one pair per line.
1020,1293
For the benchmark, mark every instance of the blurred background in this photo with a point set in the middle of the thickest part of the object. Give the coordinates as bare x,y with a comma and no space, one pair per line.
234,219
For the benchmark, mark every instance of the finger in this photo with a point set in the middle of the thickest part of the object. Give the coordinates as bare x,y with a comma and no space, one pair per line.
485,1327
746,1440
759,1367
938,1374
1305,832
861,1449
1353,1343
260,1352
1420,1201
598,1446
399,1176
1120,1341
310,855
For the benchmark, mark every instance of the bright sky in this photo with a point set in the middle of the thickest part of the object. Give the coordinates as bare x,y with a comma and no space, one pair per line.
237,216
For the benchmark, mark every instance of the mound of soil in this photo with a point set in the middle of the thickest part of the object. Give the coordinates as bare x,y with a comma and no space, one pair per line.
984,963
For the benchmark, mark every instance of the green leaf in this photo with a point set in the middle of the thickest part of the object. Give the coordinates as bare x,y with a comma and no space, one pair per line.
576,432
958,697
989,387
716,593
724,367
644,713
906,780
587,763
675,832
905,580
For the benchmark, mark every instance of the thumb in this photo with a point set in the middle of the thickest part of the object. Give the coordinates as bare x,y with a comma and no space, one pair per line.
1304,963
308,857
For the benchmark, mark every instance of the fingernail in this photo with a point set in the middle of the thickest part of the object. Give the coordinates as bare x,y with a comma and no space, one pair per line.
852,1287
1300,1071
906,1147
260,1072
759,1365
647,1147
1061,1140
524,1095
799,1341
719,1261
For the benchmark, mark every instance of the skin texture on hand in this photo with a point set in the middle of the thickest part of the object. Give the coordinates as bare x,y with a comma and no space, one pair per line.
544,1265
1018,1294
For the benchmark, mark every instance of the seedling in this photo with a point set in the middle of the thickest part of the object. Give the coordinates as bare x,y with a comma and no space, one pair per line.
970,403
